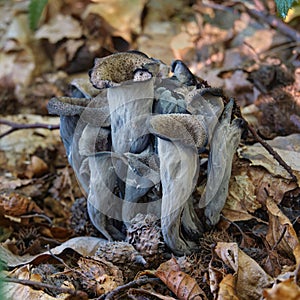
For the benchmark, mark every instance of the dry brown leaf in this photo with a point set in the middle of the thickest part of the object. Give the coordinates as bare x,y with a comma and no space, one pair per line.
281,233
287,290
124,16
98,275
16,205
181,284
227,288
251,279
241,200
19,145
287,147
36,168
20,291
215,277
85,246
60,27
249,189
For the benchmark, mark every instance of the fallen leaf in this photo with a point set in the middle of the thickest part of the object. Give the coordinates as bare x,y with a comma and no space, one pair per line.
281,233
36,168
98,275
181,284
287,290
287,147
85,246
251,279
16,205
53,32
227,288
124,16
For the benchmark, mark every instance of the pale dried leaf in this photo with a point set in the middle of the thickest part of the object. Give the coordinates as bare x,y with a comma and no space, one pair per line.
241,200
287,147
22,143
85,246
281,233
287,290
124,16
251,278
227,288
60,27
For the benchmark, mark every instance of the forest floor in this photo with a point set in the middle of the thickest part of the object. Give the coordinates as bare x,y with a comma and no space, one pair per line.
49,247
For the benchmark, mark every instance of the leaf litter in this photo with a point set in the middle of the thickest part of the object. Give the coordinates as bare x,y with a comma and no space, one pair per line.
252,253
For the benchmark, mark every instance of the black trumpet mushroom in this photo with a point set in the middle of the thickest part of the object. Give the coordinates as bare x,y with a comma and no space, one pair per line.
134,134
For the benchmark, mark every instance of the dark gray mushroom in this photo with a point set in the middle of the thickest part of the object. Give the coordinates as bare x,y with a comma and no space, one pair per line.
224,143
208,104
130,107
103,204
182,73
142,176
179,137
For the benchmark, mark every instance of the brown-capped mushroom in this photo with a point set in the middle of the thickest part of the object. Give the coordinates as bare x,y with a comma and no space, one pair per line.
120,67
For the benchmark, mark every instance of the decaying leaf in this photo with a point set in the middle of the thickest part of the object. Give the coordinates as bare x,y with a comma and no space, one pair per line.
227,288
98,275
281,233
180,283
15,205
287,290
53,32
251,279
287,147
85,246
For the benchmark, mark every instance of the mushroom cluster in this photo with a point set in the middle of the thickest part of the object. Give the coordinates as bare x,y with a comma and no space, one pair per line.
134,135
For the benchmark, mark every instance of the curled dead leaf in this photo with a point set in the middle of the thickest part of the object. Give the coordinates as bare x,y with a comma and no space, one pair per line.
36,168
15,205
181,284
227,288
281,233
287,290
251,279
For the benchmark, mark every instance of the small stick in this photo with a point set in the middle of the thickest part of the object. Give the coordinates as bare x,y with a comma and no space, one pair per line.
42,286
17,126
141,281
272,152
273,21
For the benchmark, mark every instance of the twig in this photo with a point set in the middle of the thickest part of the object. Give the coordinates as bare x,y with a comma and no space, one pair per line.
17,126
122,288
272,152
42,285
281,237
273,21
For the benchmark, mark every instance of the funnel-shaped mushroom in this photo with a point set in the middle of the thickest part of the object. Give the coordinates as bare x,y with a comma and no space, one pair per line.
142,176
130,106
208,104
224,143
179,137
103,204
